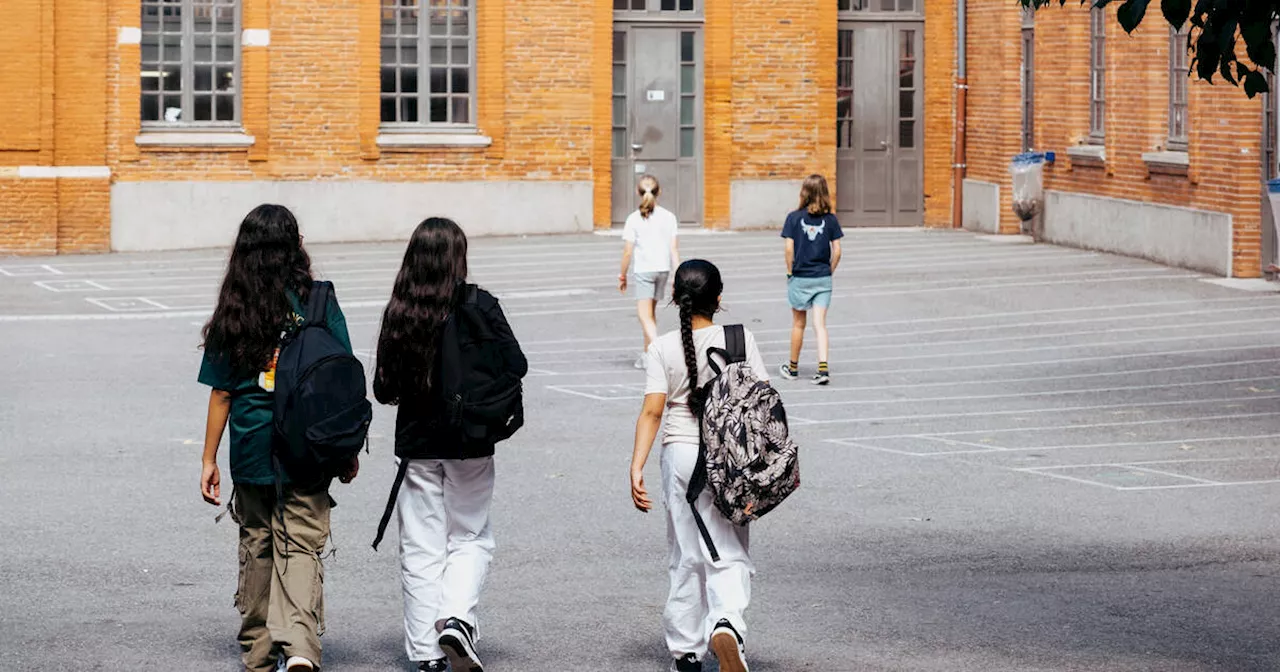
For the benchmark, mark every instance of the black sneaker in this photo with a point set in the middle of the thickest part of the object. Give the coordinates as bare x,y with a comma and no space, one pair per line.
727,644
686,663
822,378
438,665
457,638
787,372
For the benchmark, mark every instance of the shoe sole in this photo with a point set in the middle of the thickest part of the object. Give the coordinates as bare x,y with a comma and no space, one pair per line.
460,659
725,646
826,381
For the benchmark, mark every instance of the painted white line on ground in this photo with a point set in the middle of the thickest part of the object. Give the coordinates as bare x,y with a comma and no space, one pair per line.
1224,484
51,269
1129,423
1198,460
1031,411
1171,474
1073,479
1090,446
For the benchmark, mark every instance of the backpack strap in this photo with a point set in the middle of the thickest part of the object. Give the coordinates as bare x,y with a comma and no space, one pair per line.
734,350
318,303
391,502
698,483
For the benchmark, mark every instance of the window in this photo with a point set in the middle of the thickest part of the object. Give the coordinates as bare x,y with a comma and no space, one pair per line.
190,62
860,6
1098,75
688,94
844,90
1178,74
907,89
428,63
1028,80
674,8
620,95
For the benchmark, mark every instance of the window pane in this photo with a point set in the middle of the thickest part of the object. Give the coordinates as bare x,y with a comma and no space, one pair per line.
172,79
907,76
388,109
688,81
461,54
388,79
203,78
439,109
907,134
686,47
844,5
887,5
204,108
908,47
906,104
686,143
619,79
686,110
409,80
172,108
439,82
637,4
619,111
461,110
619,47
461,23
620,5
439,22
439,54
906,5
686,5
619,142
668,5
461,81
150,108
224,78
409,109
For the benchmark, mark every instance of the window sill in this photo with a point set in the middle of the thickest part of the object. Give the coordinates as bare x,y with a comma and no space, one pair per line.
410,141
195,139
1088,155
1167,163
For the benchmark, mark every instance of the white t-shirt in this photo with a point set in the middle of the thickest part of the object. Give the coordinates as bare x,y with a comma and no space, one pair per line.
653,238
666,373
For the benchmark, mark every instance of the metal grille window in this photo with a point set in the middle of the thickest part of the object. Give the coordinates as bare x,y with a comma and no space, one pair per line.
1179,69
1098,75
190,62
844,91
907,89
620,94
428,62
1028,80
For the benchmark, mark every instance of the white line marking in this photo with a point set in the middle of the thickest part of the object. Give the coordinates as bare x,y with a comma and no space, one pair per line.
1030,411
565,390
1170,474
1225,484
1047,393
51,269
546,293
99,285
6,273
1200,460
954,442
1073,479
542,372
865,446
1052,428
1088,446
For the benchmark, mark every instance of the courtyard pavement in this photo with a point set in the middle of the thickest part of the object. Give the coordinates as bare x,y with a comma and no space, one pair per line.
1030,458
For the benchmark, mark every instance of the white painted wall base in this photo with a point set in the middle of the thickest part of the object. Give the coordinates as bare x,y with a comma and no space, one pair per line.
762,204
1183,237
148,216
981,211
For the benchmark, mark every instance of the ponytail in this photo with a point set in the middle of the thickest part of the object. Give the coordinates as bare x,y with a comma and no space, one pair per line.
648,190
697,294
697,396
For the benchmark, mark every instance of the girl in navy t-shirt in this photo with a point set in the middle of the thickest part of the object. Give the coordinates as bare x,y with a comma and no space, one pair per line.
812,236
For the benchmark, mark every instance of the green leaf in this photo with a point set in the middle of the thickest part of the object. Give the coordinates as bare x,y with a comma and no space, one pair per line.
1130,14
1176,12
1255,83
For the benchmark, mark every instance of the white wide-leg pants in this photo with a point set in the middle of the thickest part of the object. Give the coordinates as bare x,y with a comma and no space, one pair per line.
702,591
445,546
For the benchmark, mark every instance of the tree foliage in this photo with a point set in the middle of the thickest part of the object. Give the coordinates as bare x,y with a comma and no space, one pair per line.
1216,29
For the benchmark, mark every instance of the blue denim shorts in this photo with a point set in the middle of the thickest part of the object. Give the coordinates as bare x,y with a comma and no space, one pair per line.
807,293
650,286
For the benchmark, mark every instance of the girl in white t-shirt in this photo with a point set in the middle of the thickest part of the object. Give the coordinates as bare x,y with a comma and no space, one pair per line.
650,235
707,599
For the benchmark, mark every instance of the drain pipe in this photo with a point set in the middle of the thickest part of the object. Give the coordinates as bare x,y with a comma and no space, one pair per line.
962,90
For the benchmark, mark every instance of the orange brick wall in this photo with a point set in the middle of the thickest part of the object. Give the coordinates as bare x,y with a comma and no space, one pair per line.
1225,126
939,110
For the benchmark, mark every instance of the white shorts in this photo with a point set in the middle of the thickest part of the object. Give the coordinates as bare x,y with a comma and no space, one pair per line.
650,286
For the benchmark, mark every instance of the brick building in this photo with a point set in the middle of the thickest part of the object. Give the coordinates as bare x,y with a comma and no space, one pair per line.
1149,163
155,124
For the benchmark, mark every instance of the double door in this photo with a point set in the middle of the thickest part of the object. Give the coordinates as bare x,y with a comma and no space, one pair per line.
879,130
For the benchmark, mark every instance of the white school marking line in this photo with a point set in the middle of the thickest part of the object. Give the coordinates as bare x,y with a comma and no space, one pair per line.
987,450
1055,428
1052,409
1195,460
1047,393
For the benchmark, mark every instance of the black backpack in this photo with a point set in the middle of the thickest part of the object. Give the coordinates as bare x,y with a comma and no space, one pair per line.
483,399
322,410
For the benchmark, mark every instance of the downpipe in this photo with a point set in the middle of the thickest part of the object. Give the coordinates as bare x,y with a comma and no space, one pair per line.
962,90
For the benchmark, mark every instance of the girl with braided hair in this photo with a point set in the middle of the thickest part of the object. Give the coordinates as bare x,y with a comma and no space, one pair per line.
707,599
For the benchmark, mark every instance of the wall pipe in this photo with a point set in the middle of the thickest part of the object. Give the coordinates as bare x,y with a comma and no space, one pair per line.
962,90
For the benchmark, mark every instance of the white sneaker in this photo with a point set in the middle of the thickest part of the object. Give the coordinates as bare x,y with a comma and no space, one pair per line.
299,664
727,644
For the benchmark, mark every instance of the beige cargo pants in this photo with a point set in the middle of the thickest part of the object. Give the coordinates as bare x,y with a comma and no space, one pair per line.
281,590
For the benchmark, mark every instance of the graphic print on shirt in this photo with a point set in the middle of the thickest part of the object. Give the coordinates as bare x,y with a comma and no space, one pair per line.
813,231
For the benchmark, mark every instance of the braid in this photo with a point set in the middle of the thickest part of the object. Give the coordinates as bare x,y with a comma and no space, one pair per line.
697,397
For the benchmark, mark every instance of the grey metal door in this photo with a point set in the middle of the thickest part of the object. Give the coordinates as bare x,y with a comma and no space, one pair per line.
878,131
657,113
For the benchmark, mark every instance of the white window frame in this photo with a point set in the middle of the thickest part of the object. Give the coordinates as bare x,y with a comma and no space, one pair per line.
186,94
1179,94
423,65
1097,76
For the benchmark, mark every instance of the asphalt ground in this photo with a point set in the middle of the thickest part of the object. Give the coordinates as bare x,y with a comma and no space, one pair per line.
1030,458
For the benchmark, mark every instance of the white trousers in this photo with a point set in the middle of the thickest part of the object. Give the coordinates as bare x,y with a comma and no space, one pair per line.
702,591
445,546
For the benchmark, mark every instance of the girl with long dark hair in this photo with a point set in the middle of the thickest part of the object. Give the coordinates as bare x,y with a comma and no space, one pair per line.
282,531
443,499
707,599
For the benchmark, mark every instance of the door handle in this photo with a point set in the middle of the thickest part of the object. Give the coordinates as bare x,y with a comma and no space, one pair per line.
884,144
636,148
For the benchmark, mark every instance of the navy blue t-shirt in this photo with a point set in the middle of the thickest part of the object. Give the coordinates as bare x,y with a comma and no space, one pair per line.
813,235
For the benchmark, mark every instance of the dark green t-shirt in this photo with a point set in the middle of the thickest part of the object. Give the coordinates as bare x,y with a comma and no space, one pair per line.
252,407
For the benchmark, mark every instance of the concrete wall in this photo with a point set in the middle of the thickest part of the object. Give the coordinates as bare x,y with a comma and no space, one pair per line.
762,204
176,215
1195,239
981,206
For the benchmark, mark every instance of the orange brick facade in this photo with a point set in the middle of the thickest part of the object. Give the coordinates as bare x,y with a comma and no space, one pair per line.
71,163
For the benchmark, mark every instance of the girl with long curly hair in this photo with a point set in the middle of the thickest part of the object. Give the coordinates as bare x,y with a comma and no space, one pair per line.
445,482
707,599
284,526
